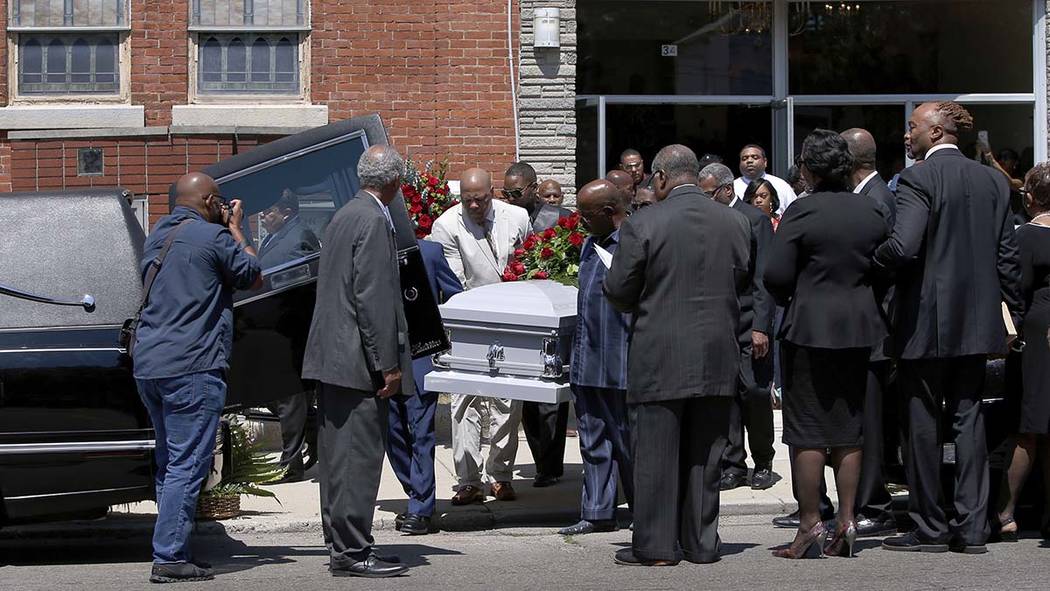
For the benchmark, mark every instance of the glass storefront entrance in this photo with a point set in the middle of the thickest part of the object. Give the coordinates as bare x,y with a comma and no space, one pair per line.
717,74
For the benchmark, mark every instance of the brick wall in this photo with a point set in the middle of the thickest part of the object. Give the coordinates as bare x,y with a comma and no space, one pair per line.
547,96
159,53
436,72
145,166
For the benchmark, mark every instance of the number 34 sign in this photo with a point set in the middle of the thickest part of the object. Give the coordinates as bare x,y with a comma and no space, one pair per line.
669,50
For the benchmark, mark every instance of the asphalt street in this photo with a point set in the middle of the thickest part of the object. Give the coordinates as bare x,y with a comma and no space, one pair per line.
521,559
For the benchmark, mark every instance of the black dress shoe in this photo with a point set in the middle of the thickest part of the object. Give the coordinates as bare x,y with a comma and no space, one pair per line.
791,520
179,572
370,568
418,525
910,542
964,548
543,481
399,520
884,525
731,480
588,527
626,557
761,479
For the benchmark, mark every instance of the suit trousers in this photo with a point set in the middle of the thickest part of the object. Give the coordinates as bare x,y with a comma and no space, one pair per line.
678,447
956,384
752,410
605,445
351,438
410,448
873,500
292,412
545,426
504,420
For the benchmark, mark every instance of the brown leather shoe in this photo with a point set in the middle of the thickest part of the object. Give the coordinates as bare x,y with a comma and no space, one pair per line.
503,491
468,494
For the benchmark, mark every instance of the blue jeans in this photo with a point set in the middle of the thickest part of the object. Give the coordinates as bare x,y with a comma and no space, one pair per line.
185,411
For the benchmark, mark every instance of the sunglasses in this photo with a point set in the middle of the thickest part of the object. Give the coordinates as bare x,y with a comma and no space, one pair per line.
516,194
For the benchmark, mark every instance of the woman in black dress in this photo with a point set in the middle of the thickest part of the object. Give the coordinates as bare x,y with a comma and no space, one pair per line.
820,269
1033,239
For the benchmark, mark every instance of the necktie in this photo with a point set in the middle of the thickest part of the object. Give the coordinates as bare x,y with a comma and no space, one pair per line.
491,241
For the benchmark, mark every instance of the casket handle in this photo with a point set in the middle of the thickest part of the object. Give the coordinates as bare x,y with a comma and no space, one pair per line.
553,367
495,354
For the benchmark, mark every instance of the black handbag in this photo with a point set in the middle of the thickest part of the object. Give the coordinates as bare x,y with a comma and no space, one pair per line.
131,325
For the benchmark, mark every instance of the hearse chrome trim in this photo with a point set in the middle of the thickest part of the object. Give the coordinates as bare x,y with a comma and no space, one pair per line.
12,449
72,493
64,350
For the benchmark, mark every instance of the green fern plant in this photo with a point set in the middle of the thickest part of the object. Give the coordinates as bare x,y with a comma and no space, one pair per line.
250,466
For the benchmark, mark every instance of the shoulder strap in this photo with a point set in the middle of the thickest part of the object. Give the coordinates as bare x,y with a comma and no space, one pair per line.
154,267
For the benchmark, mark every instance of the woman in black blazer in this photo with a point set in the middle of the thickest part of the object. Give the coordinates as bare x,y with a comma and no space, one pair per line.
820,269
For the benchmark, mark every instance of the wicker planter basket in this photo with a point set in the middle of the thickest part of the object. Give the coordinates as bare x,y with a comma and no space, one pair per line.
217,508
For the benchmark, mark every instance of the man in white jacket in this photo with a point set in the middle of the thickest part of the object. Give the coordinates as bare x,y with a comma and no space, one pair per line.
478,237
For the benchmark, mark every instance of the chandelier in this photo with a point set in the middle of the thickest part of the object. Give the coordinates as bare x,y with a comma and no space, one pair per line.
741,17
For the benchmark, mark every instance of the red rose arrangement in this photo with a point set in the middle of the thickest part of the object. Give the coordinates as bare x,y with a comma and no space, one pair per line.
426,194
552,254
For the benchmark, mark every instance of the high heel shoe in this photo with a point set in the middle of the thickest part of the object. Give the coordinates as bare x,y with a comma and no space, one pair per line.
1001,535
804,546
842,543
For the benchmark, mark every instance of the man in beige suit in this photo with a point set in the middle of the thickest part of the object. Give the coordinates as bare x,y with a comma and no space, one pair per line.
478,236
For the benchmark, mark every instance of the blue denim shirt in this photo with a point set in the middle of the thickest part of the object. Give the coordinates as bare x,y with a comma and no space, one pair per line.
599,347
187,326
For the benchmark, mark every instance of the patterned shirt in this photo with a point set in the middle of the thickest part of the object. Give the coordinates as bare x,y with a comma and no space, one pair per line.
599,349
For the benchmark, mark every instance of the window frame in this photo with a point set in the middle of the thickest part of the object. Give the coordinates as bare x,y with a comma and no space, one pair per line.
302,32
123,70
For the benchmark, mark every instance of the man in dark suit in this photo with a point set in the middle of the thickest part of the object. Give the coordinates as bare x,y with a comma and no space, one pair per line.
956,259
753,405
544,424
680,270
410,446
357,351
289,239
599,367
874,503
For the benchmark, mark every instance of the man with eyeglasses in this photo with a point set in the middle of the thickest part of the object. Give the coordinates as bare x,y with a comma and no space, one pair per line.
753,164
753,407
545,424
182,349
632,163
643,197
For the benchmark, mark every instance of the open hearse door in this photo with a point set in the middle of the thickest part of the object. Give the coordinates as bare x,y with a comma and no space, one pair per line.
315,173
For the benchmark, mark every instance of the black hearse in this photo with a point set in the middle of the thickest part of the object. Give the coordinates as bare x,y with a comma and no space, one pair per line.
74,437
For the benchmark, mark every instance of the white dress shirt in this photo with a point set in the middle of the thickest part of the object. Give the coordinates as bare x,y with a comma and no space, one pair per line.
383,207
940,147
860,185
785,193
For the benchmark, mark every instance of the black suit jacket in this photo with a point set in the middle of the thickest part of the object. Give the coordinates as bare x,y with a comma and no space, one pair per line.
956,258
546,216
757,307
877,189
820,268
680,270
293,241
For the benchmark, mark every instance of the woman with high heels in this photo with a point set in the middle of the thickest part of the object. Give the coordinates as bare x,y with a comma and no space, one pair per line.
1033,239
820,269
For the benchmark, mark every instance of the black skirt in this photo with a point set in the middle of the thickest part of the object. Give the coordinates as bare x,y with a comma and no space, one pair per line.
824,396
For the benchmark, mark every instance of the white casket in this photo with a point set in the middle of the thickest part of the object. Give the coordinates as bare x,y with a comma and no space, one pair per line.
509,340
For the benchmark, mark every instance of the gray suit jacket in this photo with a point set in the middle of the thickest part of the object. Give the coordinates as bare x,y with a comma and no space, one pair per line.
359,328
293,241
681,269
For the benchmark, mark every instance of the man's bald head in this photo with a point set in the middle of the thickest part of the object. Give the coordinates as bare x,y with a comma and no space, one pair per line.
674,166
475,193
621,179
602,206
862,146
200,192
551,192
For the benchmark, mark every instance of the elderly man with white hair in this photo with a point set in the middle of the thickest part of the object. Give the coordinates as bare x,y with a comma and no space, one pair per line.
358,352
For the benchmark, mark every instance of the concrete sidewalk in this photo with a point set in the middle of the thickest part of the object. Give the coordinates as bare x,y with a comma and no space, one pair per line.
298,507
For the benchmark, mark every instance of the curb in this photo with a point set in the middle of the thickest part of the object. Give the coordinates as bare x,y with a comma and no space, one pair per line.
467,519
